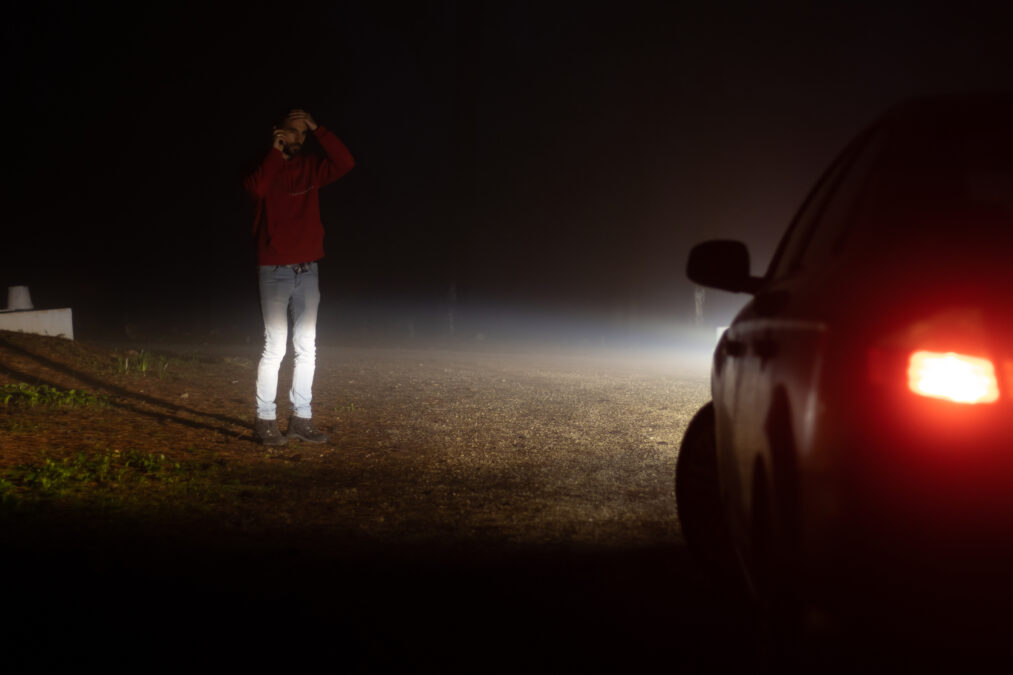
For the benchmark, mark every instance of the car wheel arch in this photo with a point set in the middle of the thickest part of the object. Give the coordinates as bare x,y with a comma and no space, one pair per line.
698,502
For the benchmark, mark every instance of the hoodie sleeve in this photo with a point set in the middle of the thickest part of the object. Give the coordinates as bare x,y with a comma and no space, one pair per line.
339,160
259,180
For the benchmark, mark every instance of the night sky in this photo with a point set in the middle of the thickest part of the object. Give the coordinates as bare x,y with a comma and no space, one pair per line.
556,158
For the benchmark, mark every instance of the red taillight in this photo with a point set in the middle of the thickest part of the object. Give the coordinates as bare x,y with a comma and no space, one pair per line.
955,377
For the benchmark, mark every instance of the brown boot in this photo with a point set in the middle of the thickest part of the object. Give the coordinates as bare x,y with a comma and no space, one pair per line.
302,428
268,433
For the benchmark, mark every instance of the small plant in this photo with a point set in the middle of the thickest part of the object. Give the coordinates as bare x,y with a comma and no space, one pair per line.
6,491
142,362
18,426
55,477
28,395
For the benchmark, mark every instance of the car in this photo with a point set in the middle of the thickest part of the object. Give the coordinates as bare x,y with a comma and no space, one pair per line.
854,467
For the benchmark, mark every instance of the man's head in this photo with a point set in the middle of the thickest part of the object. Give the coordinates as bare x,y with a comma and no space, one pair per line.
295,131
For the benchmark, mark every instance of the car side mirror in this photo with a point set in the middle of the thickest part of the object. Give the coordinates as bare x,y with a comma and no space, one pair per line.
722,264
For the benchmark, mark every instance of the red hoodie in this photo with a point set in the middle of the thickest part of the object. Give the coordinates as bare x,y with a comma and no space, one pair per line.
287,223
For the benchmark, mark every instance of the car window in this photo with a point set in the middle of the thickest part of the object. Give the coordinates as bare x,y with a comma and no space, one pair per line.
827,236
791,246
819,228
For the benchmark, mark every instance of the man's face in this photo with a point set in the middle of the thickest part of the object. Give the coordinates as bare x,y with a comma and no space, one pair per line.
295,135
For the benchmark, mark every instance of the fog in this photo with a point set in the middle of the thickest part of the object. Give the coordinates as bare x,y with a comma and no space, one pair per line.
544,162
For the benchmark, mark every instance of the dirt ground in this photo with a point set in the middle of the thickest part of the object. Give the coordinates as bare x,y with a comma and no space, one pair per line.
516,447
475,510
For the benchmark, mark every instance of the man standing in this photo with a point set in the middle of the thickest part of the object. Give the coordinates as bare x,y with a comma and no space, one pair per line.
290,238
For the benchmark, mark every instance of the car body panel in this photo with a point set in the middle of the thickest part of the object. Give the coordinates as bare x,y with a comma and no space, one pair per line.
753,370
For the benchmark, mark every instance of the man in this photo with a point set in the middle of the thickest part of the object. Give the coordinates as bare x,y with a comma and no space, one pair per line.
289,238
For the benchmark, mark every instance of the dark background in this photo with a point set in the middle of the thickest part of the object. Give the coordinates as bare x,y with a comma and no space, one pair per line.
556,160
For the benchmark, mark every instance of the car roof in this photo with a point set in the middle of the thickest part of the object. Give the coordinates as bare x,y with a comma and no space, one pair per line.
951,109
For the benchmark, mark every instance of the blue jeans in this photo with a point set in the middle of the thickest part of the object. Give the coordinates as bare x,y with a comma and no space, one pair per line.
283,289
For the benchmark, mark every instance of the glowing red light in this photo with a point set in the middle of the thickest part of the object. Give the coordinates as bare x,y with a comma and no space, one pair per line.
955,377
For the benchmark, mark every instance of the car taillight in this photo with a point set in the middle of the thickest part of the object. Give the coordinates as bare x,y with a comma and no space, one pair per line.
956,377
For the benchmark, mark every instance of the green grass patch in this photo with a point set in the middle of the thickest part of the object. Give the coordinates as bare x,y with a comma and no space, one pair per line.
29,395
143,363
20,427
135,481
86,471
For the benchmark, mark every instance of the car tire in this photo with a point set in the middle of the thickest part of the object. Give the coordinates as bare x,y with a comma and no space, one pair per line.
697,496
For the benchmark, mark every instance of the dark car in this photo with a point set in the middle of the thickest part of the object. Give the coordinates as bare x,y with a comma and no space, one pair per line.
855,464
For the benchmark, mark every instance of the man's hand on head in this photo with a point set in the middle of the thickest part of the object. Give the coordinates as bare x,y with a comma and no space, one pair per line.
305,117
279,140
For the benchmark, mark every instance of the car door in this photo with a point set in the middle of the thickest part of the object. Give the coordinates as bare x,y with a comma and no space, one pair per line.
767,365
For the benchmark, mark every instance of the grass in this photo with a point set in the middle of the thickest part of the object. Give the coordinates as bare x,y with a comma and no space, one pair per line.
28,395
133,482
16,426
89,471
142,363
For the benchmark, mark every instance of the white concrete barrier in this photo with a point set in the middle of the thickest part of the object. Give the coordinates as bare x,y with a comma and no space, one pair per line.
20,317
58,322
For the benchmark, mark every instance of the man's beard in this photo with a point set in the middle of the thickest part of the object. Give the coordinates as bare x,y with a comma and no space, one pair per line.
293,149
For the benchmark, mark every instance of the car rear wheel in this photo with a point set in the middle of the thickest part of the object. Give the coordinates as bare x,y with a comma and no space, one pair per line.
698,500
